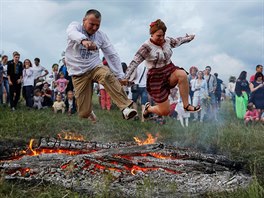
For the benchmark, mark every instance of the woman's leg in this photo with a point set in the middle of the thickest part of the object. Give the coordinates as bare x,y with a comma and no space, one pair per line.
161,109
180,77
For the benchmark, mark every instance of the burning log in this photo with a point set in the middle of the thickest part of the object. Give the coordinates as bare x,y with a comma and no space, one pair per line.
55,143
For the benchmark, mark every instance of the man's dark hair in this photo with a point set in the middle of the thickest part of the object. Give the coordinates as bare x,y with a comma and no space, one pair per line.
208,67
96,13
258,66
37,59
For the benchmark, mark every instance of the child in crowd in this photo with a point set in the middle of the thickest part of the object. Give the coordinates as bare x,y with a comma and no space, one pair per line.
70,103
52,78
38,99
58,105
252,114
105,99
47,95
173,102
182,114
61,85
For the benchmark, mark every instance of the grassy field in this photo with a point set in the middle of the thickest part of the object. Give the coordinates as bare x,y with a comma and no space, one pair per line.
228,136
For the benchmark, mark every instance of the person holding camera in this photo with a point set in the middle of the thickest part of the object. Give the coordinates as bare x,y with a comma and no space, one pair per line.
139,90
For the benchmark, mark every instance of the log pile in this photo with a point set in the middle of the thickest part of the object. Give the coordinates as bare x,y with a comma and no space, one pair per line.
128,169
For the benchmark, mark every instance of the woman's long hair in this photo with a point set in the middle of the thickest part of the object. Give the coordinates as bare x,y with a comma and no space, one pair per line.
243,75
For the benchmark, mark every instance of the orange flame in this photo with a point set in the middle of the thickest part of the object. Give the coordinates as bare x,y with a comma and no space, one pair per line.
149,140
70,136
34,152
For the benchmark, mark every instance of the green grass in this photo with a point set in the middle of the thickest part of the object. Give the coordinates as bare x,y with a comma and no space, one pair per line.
228,136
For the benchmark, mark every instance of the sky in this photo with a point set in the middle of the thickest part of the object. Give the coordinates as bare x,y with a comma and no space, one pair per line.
229,33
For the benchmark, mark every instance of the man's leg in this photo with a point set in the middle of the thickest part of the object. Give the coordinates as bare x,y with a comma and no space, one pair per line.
113,87
83,93
11,95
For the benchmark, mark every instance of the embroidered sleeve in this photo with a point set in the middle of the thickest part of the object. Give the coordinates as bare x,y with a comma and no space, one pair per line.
178,41
139,57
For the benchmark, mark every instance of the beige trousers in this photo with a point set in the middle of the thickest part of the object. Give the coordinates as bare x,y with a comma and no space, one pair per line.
83,86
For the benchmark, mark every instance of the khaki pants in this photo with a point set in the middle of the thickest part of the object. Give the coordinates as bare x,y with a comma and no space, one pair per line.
83,86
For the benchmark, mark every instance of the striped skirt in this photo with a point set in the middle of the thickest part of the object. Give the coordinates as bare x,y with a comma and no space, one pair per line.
158,85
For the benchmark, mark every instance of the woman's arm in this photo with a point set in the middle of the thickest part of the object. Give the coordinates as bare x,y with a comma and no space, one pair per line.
139,57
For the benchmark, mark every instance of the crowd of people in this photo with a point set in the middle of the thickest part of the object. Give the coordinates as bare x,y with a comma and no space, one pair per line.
43,89
158,87
39,89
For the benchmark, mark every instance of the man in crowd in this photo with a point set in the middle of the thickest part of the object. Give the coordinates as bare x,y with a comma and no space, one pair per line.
14,72
38,71
259,68
211,85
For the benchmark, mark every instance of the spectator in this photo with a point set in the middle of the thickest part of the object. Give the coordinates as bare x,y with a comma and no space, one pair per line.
28,83
104,97
59,105
47,95
141,93
218,90
183,116
200,95
5,84
173,102
259,68
211,86
257,91
61,85
70,103
242,92
252,114
85,66
14,74
52,78
38,99
38,71
192,75
231,89
125,87
63,69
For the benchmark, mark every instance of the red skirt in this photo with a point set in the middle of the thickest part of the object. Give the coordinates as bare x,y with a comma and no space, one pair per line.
158,85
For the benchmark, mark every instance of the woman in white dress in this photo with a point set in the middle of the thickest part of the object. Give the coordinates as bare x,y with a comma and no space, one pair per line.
200,95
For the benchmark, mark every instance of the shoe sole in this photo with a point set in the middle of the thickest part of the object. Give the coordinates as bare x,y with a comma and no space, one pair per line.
146,116
132,114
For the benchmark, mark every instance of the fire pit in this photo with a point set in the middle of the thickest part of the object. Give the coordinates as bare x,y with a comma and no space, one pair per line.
126,168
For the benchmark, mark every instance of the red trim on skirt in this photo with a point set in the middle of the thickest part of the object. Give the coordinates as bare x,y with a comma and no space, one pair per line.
158,85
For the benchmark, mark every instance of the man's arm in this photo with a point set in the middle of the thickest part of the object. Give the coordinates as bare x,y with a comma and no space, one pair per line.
112,57
74,32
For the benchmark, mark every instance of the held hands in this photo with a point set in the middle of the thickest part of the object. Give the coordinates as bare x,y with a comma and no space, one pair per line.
123,82
89,45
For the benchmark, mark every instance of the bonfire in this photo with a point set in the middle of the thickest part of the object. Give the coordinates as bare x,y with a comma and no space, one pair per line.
73,162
